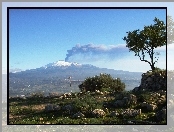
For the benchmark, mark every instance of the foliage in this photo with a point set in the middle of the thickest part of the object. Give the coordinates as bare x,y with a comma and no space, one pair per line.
157,71
103,81
31,111
145,41
86,104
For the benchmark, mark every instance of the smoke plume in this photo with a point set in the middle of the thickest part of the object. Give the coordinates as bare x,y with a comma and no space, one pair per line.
96,52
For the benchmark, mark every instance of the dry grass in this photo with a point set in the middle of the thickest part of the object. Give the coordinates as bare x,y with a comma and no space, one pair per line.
38,107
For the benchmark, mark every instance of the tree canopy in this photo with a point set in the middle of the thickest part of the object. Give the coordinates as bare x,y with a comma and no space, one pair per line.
103,81
144,41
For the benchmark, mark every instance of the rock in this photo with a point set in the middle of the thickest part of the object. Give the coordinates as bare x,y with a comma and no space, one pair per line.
153,81
98,113
49,108
132,98
151,107
153,103
136,89
149,79
114,113
78,115
163,97
120,96
131,112
56,107
159,101
67,107
155,95
162,92
144,104
161,115
52,107
119,103
139,112
125,100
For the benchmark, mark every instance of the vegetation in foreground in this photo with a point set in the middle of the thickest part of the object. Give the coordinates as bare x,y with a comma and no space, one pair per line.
80,107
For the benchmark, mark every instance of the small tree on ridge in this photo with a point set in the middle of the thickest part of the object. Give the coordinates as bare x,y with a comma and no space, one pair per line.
145,41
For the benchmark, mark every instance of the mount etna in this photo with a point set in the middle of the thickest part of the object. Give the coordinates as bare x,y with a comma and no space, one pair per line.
57,76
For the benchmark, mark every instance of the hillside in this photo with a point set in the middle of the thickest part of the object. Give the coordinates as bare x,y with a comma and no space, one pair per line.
54,77
145,105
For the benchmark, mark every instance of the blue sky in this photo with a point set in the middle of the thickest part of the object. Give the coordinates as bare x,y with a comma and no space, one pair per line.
39,37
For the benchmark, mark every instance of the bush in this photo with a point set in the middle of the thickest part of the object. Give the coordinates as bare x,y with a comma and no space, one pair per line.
86,104
157,71
103,81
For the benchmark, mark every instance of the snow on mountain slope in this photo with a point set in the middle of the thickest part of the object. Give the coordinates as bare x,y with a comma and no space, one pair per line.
62,63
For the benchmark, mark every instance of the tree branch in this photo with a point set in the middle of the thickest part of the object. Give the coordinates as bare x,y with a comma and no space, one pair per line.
142,59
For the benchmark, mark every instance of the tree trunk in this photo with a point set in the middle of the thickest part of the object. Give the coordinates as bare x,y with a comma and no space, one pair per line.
152,67
152,63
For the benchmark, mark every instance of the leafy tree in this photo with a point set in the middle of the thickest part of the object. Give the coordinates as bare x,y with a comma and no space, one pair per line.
170,30
100,82
145,41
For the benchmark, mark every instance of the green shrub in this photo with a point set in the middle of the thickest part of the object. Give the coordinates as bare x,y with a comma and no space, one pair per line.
86,104
103,81
157,71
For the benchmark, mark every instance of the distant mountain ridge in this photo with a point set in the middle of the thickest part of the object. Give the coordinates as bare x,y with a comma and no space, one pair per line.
54,77
64,67
58,64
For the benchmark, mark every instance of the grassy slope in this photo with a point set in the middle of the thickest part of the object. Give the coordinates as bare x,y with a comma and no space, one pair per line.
32,110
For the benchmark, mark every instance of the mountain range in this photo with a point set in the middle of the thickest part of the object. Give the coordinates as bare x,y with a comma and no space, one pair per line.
56,76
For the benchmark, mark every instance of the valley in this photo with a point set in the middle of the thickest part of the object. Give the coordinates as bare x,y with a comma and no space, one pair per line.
56,77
